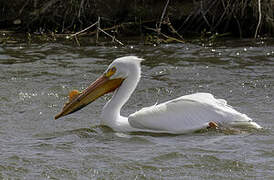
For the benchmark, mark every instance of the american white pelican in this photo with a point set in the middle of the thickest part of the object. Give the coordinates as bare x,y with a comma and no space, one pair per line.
185,114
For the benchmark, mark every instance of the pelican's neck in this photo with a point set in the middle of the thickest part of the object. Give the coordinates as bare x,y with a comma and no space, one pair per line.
111,111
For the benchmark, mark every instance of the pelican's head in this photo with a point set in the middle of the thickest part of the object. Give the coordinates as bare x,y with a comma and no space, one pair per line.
111,79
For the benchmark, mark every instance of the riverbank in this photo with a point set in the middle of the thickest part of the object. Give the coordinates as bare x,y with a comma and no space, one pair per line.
154,21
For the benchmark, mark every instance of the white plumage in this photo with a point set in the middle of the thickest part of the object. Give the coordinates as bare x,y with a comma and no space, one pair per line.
182,115
188,113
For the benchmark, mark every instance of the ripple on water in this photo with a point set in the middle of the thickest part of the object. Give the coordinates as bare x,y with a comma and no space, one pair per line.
36,78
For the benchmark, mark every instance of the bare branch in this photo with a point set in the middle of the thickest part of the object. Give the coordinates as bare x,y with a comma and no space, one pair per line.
79,32
76,39
113,38
162,17
97,31
260,19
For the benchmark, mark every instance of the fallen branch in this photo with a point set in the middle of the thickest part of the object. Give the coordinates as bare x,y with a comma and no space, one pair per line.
173,30
113,38
98,29
105,29
84,29
168,38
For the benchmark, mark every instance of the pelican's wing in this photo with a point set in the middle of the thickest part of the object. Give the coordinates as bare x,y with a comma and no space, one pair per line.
186,114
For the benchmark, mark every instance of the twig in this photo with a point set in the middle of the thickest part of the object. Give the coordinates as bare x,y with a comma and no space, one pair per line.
21,10
78,43
79,32
166,36
97,30
260,19
113,38
47,6
239,26
80,9
203,14
172,38
269,18
173,30
223,15
162,17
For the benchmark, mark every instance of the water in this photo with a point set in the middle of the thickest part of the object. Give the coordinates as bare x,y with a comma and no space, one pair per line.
35,80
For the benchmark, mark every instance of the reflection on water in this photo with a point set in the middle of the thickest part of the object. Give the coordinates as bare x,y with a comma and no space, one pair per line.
35,80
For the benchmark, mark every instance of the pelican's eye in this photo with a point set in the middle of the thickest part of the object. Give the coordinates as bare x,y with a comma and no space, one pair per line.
110,72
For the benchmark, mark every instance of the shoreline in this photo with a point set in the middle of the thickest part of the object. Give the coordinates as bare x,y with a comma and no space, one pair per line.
167,20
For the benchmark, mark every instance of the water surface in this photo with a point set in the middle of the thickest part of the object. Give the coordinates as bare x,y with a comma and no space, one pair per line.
35,80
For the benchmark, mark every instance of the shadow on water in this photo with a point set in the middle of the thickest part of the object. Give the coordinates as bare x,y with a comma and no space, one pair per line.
100,130
81,133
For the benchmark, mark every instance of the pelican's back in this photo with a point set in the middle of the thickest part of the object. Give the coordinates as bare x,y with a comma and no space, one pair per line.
185,114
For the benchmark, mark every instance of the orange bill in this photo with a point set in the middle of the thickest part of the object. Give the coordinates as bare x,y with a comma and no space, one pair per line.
78,100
